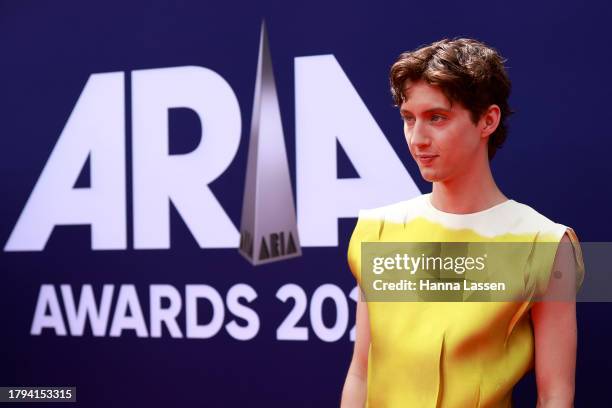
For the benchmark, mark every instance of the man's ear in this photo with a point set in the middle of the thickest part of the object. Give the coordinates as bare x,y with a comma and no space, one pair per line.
489,121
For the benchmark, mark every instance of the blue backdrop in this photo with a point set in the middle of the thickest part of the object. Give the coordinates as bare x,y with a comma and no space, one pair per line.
556,159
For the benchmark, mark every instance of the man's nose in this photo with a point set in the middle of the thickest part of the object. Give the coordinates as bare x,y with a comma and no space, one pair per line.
419,136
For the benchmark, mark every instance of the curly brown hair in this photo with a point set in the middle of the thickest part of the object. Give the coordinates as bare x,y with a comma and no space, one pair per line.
466,71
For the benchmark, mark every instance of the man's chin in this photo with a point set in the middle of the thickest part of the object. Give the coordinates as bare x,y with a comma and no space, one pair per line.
429,175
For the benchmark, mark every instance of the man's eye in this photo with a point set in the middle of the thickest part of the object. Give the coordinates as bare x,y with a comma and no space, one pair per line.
408,119
437,118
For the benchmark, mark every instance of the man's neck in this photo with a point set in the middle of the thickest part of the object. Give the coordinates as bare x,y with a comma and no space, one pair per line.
471,192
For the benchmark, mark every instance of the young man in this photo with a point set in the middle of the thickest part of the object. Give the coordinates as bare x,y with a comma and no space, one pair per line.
453,98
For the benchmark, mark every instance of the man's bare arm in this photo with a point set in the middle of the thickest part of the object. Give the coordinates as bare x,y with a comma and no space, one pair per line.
355,385
554,322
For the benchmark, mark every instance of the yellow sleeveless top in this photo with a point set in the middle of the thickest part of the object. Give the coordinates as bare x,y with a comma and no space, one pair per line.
451,354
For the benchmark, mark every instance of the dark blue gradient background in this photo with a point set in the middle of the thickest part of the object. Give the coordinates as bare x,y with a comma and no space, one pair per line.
557,159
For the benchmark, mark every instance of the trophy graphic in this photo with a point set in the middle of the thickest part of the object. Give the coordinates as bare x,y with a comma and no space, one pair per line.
268,227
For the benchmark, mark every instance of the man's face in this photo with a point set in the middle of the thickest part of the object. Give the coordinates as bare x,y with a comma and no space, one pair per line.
441,136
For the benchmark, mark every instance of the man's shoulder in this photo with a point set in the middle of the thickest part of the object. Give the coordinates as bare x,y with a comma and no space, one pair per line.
527,219
371,220
396,211
530,216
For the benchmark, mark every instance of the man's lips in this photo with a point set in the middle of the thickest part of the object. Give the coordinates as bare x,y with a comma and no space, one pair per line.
426,159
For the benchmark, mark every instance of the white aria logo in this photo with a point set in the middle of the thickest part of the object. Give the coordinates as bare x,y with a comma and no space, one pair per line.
329,115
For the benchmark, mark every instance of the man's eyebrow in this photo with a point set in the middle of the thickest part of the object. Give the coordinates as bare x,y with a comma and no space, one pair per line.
434,109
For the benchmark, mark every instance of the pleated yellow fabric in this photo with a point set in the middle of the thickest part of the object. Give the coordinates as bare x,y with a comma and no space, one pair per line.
451,354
